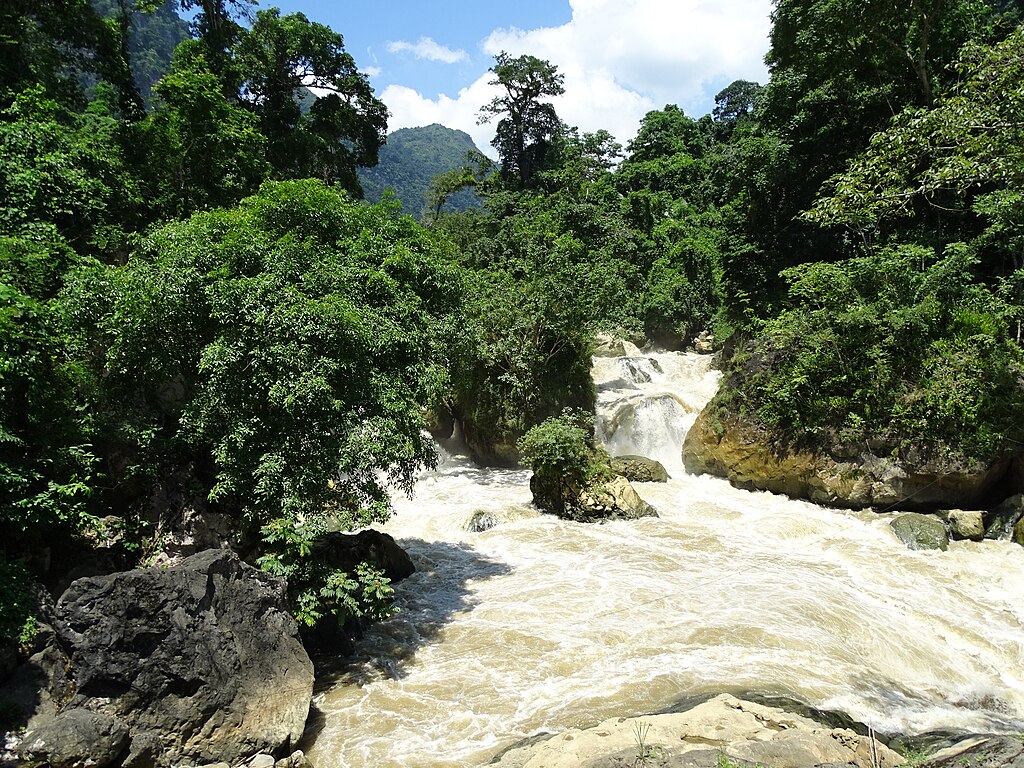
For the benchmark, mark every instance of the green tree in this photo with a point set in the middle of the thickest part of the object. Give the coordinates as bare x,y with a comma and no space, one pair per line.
527,125
46,464
198,149
344,128
63,173
278,354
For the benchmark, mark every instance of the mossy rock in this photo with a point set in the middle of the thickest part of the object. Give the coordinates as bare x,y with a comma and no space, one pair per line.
639,469
921,531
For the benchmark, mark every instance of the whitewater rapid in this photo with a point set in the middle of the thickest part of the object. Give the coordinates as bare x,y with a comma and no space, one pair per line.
538,624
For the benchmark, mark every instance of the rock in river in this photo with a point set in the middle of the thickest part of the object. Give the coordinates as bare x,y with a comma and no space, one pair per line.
200,662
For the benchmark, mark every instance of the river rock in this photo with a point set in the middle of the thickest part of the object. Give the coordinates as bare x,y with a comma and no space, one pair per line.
77,737
747,733
615,499
965,523
1018,532
1003,517
344,551
639,469
197,663
725,445
704,343
920,531
983,751
608,345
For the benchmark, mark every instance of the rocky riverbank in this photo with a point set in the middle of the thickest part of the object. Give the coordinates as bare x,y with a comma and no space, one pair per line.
728,732
194,663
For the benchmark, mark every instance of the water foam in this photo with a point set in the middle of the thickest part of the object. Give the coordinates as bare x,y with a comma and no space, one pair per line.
537,624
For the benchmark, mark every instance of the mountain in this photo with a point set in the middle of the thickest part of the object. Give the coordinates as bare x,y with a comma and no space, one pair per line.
410,159
152,40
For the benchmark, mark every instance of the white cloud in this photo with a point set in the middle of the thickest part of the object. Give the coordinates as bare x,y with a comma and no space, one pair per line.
620,59
372,71
426,48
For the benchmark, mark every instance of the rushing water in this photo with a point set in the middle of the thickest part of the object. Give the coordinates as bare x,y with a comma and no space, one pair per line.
538,624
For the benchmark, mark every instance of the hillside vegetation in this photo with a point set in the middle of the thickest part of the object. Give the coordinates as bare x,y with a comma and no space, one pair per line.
410,160
200,315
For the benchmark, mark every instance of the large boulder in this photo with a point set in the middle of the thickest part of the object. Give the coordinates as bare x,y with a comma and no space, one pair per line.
1002,518
980,750
196,663
598,502
838,475
639,469
965,523
744,732
614,499
345,551
920,531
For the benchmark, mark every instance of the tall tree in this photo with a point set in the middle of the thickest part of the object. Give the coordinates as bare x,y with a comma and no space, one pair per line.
278,59
527,125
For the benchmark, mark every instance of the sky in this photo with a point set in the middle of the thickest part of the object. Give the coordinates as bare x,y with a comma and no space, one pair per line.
428,60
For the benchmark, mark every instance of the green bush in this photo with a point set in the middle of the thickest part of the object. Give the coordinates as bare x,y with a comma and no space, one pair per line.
17,606
561,452
898,349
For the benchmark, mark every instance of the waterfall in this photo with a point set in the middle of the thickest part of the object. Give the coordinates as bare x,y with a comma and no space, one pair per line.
536,624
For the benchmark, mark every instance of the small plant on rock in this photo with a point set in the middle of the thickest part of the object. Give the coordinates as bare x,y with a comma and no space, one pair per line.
564,459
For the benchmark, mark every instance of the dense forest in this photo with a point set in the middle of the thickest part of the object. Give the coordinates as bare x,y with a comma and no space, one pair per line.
198,311
408,163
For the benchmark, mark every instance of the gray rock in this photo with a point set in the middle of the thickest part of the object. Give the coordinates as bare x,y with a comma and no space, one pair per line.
261,761
965,523
480,521
76,737
748,733
639,469
1002,518
201,661
345,551
921,531
984,751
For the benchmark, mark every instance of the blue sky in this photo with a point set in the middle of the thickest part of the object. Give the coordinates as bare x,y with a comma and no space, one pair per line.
428,61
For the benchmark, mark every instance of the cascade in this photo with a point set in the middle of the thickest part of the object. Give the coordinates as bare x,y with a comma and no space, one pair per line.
535,624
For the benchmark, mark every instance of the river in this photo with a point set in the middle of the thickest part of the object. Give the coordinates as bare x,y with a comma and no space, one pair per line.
538,624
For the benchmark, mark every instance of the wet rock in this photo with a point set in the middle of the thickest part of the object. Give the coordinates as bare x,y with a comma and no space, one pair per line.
1018,532
838,475
704,343
965,523
201,662
480,521
76,737
920,531
1002,518
602,501
748,733
639,469
615,499
344,551
984,751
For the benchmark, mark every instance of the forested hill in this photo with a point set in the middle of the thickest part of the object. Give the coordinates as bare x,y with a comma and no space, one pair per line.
410,160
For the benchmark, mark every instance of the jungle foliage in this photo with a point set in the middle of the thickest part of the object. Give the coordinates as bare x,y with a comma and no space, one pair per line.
197,311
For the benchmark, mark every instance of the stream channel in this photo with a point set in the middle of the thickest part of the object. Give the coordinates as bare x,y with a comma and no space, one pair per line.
539,624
